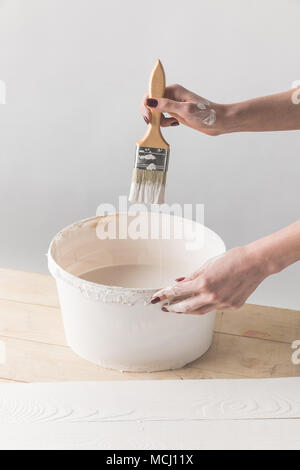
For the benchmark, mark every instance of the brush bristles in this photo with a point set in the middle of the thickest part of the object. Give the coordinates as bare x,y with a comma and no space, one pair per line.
148,186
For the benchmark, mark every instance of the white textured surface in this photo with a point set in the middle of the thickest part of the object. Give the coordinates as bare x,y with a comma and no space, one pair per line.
269,434
199,414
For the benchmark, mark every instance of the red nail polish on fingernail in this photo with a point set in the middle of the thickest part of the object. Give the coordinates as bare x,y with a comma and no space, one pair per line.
151,102
164,309
175,123
179,279
155,300
146,119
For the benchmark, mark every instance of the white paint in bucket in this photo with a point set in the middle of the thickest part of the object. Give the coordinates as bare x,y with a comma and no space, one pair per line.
116,326
127,275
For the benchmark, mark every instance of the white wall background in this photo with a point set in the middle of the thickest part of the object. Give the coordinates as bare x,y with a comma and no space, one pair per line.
75,71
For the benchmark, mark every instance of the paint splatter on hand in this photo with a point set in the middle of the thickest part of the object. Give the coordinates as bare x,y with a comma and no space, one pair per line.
187,108
223,282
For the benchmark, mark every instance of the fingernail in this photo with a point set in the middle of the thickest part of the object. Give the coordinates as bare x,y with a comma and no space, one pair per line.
146,119
155,300
151,102
164,309
179,279
175,123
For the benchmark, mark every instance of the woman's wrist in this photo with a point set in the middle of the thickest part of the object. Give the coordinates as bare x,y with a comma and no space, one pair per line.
278,250
261,255
255,260
235,117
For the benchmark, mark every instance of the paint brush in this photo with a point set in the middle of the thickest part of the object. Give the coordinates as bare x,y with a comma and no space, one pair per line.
152,151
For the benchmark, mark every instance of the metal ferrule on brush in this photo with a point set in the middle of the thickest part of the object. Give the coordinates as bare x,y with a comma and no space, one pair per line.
151,159
149,175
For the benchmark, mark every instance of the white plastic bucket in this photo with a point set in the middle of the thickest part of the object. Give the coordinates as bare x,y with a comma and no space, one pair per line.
117,327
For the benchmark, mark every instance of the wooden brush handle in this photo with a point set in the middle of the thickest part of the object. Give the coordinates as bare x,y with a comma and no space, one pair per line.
157,84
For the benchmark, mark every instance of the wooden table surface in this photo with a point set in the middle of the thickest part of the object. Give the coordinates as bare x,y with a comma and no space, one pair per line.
252,342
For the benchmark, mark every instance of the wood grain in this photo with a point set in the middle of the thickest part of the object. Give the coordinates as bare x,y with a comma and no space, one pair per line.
31,361
255,321
138,400
249,357
244,414
269,434
254,341
33,288
9,381
153,137
31,322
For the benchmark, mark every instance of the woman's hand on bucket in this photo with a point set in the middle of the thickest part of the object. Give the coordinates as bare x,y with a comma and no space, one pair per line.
224,282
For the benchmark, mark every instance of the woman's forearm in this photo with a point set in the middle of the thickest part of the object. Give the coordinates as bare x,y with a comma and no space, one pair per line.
227,280
278,250
276,112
